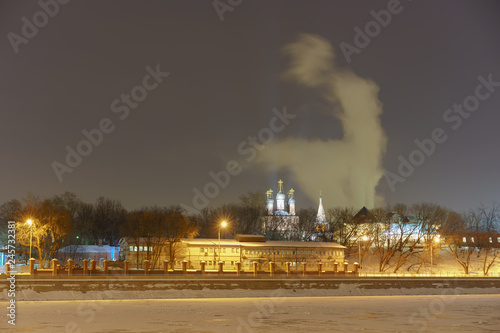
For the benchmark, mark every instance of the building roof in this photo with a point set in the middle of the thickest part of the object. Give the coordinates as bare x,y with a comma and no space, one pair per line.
233,242
88,249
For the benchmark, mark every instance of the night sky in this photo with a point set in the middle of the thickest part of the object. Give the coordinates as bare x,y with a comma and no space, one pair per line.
225,78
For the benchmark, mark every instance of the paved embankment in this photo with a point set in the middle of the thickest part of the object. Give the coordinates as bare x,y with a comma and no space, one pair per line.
64,288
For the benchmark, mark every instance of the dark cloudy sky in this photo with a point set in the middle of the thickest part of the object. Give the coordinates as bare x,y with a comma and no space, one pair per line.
226,77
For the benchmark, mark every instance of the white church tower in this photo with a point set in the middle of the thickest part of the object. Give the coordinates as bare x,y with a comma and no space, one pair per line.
321,226
270,202
280,197
321,217
291,202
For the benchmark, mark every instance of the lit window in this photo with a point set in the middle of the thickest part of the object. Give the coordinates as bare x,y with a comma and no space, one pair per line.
140,248
498,239
472,239
151,249
131,248
464,239
491,240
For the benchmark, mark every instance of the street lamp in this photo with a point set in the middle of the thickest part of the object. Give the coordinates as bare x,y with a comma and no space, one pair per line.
222,225
435,239
365,238
30,223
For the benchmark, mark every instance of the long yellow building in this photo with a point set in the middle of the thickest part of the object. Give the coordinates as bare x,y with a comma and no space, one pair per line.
245,249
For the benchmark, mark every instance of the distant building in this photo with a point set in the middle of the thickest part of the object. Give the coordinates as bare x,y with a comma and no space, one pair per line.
245,249
91,252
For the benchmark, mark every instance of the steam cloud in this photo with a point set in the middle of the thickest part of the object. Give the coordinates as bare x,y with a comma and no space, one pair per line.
349,169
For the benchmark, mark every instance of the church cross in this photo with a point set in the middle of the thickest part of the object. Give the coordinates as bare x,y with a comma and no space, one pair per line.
280,182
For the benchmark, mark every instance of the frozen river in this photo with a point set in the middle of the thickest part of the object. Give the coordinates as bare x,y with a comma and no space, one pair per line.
462,313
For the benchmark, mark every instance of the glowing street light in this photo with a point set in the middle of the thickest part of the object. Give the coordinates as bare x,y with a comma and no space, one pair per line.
30,223
365,238
222,225
435,239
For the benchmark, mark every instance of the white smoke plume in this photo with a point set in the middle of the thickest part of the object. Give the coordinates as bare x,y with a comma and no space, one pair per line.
346,170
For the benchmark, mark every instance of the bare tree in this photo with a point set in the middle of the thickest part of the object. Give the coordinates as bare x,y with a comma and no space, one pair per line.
344,228
177,227
109,215
490,218
456,228
50,225
307,219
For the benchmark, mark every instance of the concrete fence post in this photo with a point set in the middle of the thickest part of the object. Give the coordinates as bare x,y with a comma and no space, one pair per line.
254,268
54,267
165,267
221,267
238,268
288,269
32,266
346,267
335,267
125,267
304,269
85,267
271,268
105,267
7,269
202,264
184,267
70,267
146,267
93,265
320,268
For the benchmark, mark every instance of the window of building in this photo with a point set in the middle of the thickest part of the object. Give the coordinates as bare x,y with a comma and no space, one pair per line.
140,248
232,263
211,250
150,249
464,239
491,240
202,250
131,248
237,250
498,239
472,239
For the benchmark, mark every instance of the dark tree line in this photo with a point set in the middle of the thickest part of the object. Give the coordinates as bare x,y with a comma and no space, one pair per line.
394,234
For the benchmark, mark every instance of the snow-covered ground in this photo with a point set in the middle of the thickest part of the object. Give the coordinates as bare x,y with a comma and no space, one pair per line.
456,313
443,264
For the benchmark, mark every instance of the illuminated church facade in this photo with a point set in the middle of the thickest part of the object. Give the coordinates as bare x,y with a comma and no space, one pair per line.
281,221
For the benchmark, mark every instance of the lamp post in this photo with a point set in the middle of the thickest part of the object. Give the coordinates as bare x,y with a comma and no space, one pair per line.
359,248
434,239
222,225
30,223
